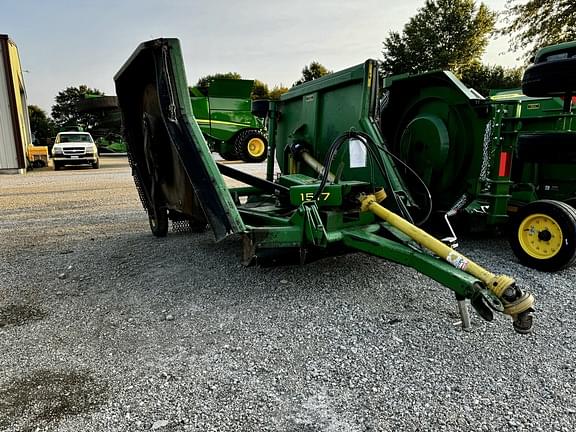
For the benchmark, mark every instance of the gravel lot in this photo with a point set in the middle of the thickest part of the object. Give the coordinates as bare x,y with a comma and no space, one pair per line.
105,328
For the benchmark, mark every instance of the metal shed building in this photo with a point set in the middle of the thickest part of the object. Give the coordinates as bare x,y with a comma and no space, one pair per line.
15,135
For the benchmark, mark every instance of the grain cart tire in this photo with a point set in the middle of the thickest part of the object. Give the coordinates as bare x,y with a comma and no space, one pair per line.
251,146
550,147
551,78
543,235
158,219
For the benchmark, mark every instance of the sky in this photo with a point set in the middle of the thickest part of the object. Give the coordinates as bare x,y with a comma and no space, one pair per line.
65,43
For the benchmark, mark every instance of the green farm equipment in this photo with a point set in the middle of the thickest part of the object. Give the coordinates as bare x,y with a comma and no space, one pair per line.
505,161
107,133
338,189
223,110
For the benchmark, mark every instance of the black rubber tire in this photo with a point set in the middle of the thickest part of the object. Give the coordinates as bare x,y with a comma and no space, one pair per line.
197,227
96,164
571,202
551,78
565,217
57,166
155,203
242,142
550,147
229,156
158,219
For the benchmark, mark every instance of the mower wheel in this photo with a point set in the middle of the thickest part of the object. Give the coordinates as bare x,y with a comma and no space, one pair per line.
158,218
571,202
197,226
251,146
543,235
229,156
551,78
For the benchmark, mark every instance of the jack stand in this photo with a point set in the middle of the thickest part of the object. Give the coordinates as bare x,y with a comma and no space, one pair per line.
464,314
452,240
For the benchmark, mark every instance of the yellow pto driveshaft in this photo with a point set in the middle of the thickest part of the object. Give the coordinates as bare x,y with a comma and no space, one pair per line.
517,303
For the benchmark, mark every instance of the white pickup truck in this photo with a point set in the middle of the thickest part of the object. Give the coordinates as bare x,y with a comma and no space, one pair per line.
74,148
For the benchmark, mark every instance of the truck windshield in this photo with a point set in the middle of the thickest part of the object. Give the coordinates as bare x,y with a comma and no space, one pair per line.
75,138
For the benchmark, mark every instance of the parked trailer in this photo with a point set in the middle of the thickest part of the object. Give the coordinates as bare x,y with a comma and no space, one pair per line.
337,190
500,161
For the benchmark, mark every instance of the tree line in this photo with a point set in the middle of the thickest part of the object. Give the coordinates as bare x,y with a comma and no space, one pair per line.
443,34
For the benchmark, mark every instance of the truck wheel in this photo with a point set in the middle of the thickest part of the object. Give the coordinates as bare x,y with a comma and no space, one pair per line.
96,164
543,235
551,78
158,218
251,146
57,166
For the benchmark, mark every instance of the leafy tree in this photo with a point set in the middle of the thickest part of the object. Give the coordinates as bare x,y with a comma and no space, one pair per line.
205,80
277,91
314,71
537,23
260,90
41,125
65,112
444,34
483,78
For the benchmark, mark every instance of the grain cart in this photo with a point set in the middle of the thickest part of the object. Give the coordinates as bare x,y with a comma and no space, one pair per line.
223,112
338,189
497,162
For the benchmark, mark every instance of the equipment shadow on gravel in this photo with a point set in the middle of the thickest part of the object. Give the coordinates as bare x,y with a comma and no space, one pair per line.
44,396
14,314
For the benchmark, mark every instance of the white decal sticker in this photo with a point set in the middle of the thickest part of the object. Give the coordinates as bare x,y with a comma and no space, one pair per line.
357,153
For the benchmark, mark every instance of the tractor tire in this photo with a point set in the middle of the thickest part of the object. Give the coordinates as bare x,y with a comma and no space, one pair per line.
547,147
543,235
551,78
251,145
158,219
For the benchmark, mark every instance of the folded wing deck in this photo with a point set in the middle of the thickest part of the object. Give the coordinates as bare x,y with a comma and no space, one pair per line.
169,156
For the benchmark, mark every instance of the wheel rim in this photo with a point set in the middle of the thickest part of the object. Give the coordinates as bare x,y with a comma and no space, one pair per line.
540,236
256,147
